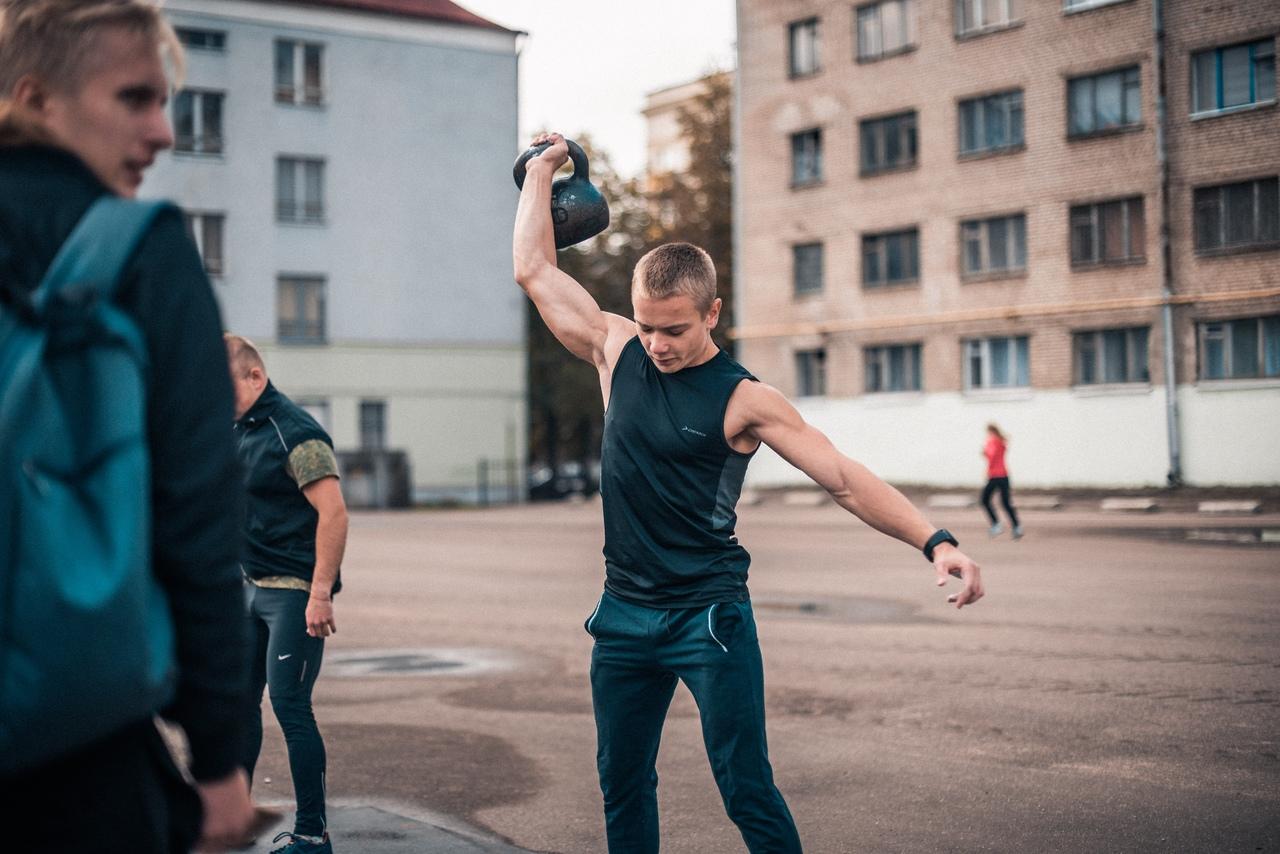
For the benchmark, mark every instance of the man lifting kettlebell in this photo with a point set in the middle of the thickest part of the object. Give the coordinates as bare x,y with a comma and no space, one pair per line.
682,420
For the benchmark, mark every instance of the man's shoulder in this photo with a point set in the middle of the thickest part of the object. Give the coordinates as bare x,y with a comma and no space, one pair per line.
296,425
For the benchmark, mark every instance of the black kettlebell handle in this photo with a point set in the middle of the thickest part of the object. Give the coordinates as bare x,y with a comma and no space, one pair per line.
581,169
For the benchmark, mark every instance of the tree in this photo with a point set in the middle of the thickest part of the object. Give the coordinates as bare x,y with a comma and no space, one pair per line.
696,205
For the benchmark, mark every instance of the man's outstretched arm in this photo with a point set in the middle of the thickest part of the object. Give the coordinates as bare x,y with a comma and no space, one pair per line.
568,310
768,416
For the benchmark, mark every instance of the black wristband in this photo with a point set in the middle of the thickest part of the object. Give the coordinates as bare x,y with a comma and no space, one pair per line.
940,536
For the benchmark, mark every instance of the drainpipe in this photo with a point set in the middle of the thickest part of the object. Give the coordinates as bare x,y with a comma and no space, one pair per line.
1166,252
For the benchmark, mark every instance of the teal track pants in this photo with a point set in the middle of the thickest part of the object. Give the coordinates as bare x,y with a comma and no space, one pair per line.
639,654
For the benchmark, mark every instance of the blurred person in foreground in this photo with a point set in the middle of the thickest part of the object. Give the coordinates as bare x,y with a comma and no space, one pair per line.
682,420
83,89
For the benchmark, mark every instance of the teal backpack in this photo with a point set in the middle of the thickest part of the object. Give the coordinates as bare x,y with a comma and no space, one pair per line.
86,637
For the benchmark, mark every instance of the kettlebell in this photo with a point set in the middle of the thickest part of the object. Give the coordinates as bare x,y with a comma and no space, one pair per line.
578,210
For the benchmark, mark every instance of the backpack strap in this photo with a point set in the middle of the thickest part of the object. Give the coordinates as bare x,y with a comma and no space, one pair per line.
96,252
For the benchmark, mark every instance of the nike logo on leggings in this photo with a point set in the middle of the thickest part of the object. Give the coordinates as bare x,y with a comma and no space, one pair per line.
283,657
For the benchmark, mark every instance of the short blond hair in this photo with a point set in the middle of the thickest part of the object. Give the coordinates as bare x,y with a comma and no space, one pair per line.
54,40
242,355
677,268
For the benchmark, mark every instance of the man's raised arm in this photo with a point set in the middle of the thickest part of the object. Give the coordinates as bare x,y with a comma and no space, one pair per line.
568,310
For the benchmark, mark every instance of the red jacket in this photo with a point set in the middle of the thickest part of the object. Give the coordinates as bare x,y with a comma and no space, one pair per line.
994,452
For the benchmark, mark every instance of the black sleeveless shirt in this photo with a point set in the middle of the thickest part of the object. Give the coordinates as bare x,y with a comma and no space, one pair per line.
670,484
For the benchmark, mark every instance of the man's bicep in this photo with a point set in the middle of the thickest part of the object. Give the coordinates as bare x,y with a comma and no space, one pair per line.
324,493
573,317
779,425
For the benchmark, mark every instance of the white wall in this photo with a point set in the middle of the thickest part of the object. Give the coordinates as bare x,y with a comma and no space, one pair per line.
1103,438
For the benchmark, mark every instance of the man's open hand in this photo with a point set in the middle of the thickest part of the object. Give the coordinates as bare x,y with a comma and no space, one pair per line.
948,561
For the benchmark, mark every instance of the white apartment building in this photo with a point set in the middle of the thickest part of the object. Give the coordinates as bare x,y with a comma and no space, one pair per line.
345,166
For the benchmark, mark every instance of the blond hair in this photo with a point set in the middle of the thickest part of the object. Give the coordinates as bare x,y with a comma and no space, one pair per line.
242,355
54,40
677,268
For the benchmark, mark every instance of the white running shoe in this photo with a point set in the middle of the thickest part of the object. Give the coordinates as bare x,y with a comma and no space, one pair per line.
996,530
1017,532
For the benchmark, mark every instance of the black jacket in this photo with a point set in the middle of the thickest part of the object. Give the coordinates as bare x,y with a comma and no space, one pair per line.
280,523
195,483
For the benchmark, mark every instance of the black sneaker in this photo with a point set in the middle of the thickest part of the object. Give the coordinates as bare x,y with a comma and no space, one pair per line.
298,845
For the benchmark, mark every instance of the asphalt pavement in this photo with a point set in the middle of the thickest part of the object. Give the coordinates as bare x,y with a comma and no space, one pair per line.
1117,690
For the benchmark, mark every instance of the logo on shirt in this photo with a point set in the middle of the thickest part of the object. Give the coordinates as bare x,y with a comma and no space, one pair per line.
687,429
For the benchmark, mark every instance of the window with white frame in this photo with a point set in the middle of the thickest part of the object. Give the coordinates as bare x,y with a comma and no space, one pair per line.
1080,5
885,28
1240,216
1240,349
1003,362
991,123
373,425
1112,232
1103,102
205,230
892,258
994,245
299,72
214,41
1227,78
974,16
888,143
300,309
804,48
197,121
806,260
811,372
806,157
299,190
1111,356
892,367
317,408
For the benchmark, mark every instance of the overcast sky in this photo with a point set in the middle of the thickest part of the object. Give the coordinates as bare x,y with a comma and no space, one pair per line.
586,65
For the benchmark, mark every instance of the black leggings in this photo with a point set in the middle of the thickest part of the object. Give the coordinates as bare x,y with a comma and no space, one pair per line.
1002,484
286,660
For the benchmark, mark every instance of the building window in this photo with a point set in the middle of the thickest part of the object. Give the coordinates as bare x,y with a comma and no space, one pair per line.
997,363
300,309
805,50
205,231
807,268
1237,76
1103,102
1238,349
991,123
317,408
885,28
197,122
896,367
806,157
214,41
974,16
1081,5
890,259
888,143
995,245
1111,356
299,190
811,373
1237,216
373,425
299,72
1108,233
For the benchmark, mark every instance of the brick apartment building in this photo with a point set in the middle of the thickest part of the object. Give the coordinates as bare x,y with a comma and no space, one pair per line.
954,211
